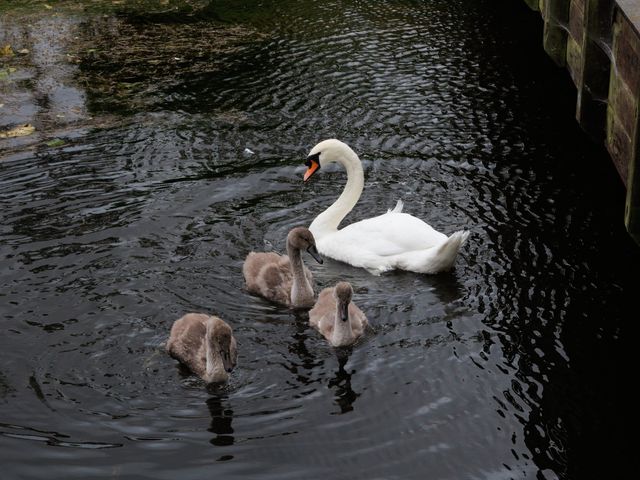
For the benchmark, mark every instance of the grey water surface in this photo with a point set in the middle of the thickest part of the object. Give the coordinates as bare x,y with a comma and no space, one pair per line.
509,366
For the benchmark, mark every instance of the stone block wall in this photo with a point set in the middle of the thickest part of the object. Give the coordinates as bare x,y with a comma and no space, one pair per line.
598,41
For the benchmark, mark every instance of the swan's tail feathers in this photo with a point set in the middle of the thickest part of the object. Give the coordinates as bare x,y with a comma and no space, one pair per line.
453,243
398,208
464,234
446,253
433,259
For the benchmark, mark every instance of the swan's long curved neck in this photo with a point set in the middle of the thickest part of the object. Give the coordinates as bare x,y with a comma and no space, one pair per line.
328,221
342,330
301,291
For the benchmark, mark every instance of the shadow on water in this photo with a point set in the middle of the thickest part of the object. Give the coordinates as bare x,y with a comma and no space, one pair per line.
560,314
5,388
341,382
300,338
221,419
344,395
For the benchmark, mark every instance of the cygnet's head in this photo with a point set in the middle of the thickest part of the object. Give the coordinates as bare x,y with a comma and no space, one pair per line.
343,294
219,334
301,238
325,152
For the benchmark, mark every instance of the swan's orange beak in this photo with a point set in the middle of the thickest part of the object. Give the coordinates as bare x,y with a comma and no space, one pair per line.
313,166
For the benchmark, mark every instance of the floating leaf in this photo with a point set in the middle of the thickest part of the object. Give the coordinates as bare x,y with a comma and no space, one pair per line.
20,131
56,142
4,72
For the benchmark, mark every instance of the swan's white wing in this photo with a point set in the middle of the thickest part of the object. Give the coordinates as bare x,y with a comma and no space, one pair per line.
389,234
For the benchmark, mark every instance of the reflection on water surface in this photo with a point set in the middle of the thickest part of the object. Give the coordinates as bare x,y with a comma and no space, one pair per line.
507,367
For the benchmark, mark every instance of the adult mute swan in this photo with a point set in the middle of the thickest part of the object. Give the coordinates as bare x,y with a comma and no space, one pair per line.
394,240
338,319
205,344
283,279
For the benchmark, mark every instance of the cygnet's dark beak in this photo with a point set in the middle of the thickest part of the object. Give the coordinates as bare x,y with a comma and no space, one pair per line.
313,251
226,361
344,311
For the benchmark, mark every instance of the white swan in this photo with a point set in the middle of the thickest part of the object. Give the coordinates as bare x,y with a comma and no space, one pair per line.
394,240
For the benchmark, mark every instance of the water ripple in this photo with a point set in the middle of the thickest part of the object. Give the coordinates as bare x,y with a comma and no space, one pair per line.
499,369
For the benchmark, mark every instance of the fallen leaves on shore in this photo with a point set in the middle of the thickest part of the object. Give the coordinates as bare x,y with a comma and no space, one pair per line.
5,72
6,51
56,142
19,131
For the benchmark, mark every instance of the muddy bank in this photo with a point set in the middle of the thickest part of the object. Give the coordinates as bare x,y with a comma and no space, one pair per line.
65,67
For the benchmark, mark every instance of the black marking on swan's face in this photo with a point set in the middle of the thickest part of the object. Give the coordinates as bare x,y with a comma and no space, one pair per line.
313,165
313,158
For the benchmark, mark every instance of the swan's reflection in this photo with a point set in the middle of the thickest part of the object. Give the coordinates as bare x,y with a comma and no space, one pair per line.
221,418
344,394
5,387
447,287
299,348
300,336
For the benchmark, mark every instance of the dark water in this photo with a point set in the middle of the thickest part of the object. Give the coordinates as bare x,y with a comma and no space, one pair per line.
511,366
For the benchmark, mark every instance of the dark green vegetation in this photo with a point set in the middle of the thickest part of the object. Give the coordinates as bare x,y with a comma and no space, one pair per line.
66,64
115,7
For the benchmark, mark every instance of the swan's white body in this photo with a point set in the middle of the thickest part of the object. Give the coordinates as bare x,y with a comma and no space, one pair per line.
394,240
